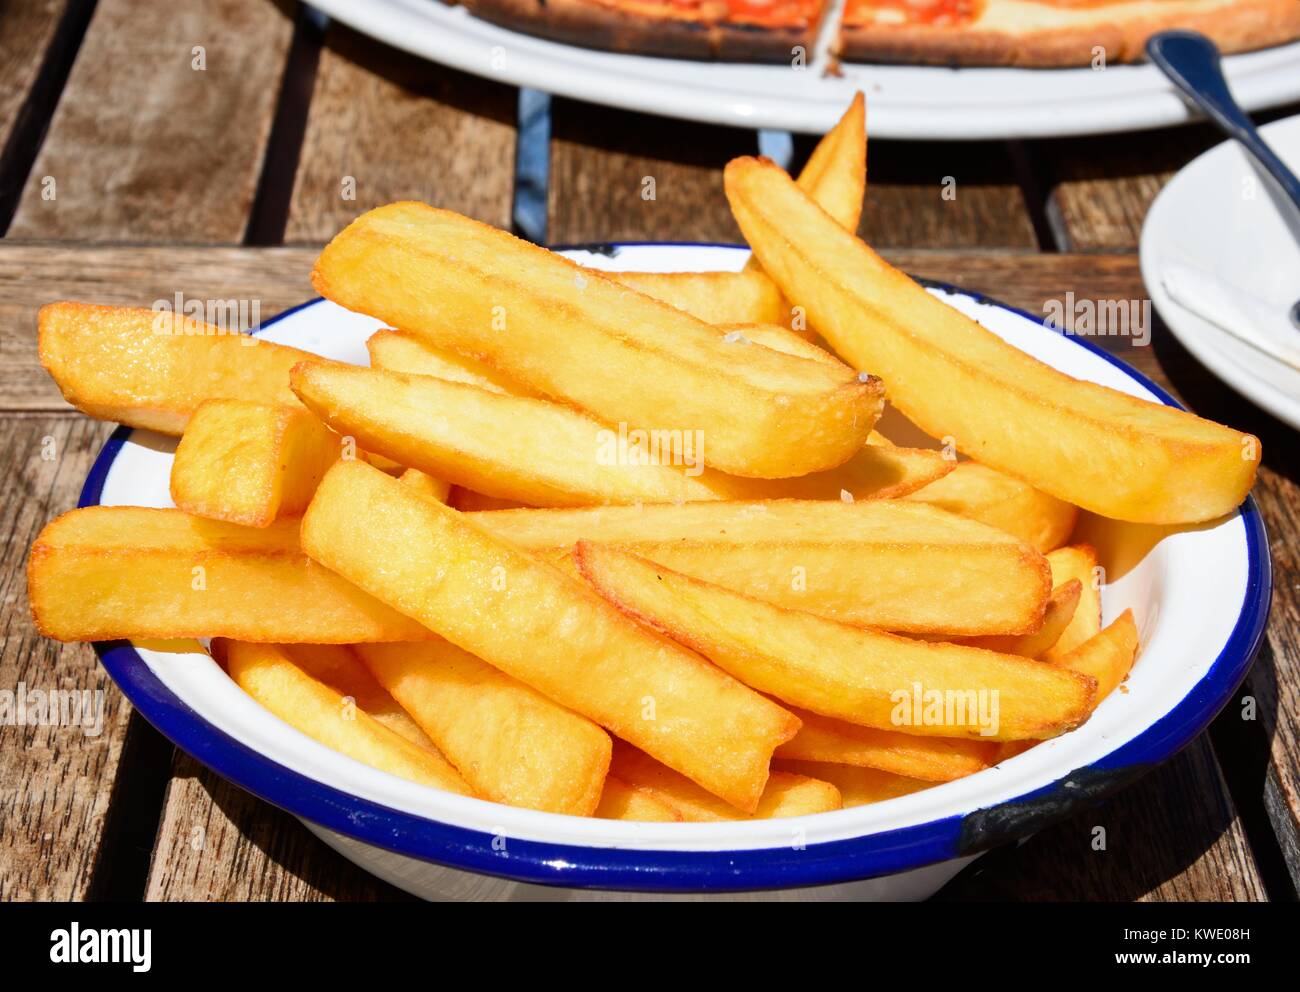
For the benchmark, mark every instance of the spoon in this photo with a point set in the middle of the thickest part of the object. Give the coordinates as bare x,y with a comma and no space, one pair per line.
1192,61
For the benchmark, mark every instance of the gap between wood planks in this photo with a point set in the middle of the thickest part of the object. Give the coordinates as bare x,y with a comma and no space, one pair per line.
270,212
28,132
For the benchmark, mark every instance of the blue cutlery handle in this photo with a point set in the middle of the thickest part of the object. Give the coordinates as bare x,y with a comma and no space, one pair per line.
1192,61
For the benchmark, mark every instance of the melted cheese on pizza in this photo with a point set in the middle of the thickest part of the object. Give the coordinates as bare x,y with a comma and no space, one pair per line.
952,13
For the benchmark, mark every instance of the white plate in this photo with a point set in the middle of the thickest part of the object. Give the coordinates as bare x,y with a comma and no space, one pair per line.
1205,219
903,101
1197,640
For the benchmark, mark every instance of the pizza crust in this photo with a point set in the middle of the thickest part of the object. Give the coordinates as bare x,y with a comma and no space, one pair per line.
1121,29
598,25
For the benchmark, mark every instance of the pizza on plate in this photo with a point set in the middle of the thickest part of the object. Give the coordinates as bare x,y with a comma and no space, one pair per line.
1050,32
952,32
728,30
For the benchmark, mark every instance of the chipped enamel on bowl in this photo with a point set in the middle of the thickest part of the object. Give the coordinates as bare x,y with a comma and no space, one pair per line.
1200,596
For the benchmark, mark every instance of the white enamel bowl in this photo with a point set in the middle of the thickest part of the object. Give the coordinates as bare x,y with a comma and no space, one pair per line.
1200,596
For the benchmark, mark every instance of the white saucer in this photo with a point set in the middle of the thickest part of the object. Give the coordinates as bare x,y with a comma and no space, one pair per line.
1208,219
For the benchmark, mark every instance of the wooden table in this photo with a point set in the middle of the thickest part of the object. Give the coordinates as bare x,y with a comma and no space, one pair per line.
128,174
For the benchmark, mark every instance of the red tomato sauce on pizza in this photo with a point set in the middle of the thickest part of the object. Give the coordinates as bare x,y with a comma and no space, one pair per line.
928,12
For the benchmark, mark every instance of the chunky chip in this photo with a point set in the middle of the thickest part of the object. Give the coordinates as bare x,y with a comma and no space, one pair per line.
994,498
1095,447
882,563
863,676
511,743
510,447
550,631
265,673
785,795
152,369
1106,656
1056,618
858,786
621,801
250,462
932,759
1078,562
398,351
582,338
107,572
337,666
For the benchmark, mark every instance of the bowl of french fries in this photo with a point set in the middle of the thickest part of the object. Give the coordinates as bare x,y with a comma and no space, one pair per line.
662,569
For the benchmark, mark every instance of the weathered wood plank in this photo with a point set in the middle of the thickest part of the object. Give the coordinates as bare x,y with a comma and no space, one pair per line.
145,145
1101,187
26,30
37,38
617,176
387,126
55,776
217,843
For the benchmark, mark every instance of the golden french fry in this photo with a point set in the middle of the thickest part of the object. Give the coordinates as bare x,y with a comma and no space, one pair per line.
398,351
542,454
107,572
250,462
778,338
266,673
1009,749
152,369
511,743
467,500
932,759
785,794
510,447
578,336
1089,445
381,463
994,498
863,676
1056,618
546,629
858,786
621,801
426,485
1076,562
875,472
1106,656
872,473
338,667
892,564
835,175
747,297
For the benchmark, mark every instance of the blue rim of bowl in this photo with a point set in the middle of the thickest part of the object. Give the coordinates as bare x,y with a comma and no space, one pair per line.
634,869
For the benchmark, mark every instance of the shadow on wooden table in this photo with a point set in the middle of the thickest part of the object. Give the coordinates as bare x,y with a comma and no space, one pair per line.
246,850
